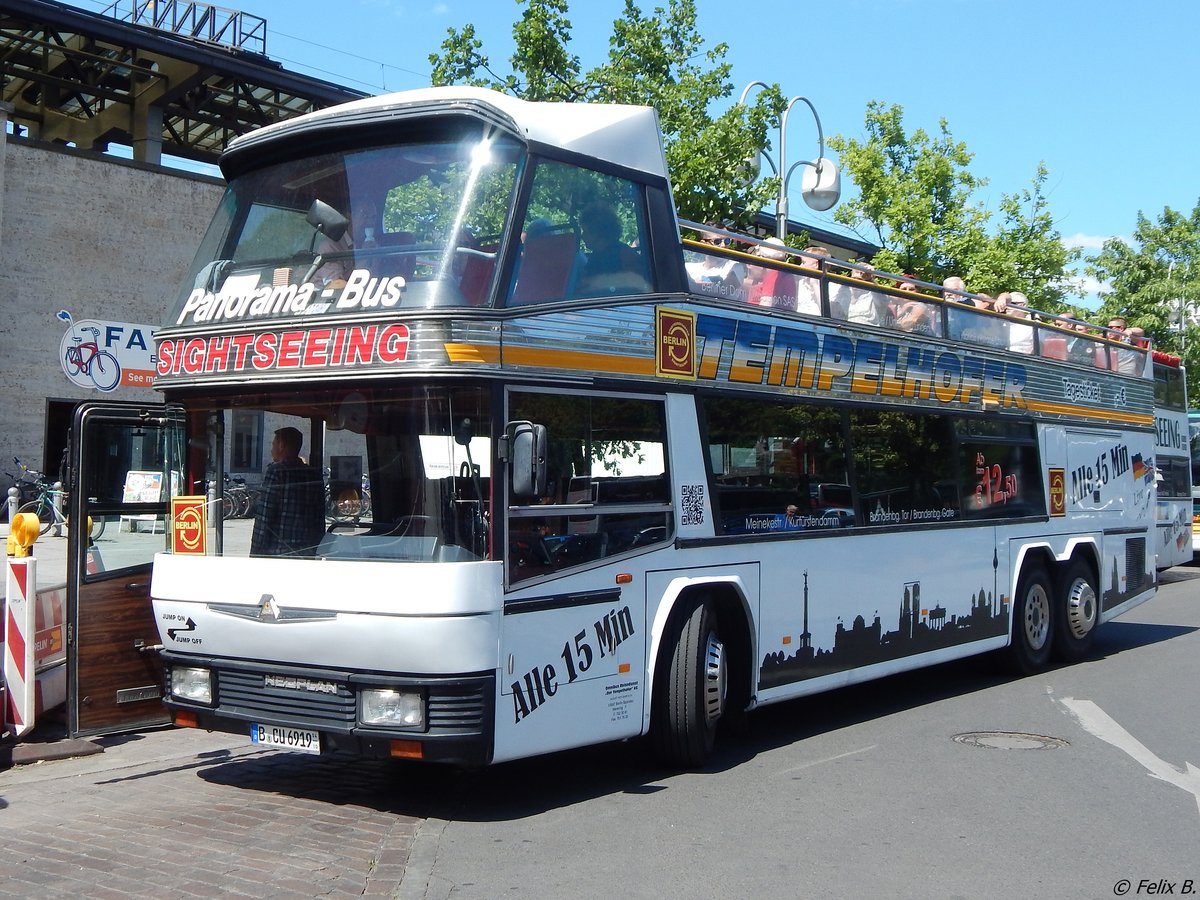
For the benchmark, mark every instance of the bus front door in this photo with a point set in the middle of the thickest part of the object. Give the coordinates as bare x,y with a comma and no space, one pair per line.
125,464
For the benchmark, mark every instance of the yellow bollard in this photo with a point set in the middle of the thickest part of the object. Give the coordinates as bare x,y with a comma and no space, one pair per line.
22,533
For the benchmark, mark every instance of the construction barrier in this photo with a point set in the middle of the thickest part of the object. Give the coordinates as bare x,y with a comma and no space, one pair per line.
20,626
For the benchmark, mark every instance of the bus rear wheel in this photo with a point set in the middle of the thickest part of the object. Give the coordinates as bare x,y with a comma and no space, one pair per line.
1032,622
691,688
1077,612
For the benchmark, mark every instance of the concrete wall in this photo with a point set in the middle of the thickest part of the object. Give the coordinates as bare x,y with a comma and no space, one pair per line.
104,239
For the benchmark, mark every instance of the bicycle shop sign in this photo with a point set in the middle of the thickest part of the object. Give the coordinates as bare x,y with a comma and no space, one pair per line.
104,355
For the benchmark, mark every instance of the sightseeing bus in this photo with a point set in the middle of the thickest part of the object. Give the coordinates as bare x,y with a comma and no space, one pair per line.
626,477
1172,463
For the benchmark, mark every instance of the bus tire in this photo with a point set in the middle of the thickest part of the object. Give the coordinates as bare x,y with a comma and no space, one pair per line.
1077,612
1032,622
691,687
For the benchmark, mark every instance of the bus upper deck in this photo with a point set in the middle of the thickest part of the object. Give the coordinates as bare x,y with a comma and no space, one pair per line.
391,236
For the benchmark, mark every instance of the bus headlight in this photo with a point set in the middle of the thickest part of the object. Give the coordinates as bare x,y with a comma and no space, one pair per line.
192,684
386,706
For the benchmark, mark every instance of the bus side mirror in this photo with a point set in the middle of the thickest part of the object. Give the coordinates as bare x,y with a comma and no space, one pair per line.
526,455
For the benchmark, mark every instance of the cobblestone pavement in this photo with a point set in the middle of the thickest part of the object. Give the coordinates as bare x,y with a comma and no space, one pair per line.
180,813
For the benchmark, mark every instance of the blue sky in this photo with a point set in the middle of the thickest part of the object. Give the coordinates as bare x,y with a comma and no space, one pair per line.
1102,92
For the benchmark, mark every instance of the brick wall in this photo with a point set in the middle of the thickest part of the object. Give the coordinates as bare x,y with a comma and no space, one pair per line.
100,237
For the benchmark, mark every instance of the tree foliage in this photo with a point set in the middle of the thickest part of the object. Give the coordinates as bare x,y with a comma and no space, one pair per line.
1152,278
656,60
917,201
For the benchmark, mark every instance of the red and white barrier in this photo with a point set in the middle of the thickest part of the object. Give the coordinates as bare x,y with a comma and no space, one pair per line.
20,639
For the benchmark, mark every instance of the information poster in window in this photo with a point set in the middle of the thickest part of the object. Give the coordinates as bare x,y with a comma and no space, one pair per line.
142,487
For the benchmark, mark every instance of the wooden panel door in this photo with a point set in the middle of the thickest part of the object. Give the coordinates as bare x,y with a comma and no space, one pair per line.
126,461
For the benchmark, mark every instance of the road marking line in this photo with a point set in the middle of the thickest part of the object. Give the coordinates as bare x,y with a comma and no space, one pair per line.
1099,723
818,762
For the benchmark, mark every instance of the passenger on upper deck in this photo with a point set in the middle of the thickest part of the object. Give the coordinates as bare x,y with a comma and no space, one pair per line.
769,286
915,316
1020,334
808,289
717,275
954,290
866,305
612,267
1080,348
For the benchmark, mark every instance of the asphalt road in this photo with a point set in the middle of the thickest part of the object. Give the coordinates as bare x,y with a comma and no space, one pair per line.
1076,783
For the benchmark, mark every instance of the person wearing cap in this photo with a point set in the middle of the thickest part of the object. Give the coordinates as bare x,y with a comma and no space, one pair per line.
290,518
768,286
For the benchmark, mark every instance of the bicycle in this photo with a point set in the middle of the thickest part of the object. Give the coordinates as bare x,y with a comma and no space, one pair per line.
47,506
93,364
349,504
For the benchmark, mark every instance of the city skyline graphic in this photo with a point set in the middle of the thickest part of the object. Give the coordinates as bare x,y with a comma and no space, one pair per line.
919,629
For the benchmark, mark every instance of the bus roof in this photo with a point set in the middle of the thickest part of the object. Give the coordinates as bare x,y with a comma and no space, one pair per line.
627,136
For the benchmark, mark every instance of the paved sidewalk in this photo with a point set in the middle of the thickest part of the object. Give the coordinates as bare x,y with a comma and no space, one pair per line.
185,813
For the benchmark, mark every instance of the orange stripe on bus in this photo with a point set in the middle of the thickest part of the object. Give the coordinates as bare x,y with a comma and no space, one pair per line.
578,360
473,353
1102,415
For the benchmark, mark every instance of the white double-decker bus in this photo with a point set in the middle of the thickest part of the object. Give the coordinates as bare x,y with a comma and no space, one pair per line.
621,483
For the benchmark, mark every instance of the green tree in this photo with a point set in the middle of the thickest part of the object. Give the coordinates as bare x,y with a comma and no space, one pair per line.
656,60
1152,278
1025,252
916,200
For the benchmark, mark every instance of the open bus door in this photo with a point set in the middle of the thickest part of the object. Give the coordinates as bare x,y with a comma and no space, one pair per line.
126,461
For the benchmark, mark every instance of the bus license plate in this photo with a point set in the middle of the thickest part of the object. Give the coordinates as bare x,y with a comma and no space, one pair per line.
298,739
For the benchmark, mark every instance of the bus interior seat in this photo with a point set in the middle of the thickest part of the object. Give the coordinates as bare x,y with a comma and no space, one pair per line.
545,268
1054,347
476,277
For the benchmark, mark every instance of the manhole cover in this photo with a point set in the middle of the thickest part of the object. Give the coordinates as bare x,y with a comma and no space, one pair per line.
1010,740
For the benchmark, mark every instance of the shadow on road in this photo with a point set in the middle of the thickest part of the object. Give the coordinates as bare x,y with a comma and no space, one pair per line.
512,791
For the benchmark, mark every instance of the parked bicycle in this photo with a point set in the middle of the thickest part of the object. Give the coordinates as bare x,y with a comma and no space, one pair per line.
235,501
349,504
49,502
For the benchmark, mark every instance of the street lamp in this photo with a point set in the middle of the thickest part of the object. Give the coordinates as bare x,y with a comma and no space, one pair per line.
1182,308
820,185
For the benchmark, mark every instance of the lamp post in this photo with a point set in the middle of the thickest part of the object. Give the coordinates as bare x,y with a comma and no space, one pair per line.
821,185
1182,308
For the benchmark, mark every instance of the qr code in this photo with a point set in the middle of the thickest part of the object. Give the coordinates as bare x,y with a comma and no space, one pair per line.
693,504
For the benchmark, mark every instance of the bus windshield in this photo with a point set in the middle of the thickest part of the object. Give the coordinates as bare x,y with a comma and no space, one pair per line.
410,225
377,473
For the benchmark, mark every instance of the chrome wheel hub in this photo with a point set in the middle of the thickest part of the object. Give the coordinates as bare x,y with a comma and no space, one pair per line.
1037,617
1081,608
715,678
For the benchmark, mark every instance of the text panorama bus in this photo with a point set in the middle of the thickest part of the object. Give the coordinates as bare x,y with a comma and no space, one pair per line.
621,483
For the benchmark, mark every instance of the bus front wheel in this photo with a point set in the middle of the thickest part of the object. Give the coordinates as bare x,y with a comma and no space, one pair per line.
1032,622
691,687
1077,612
